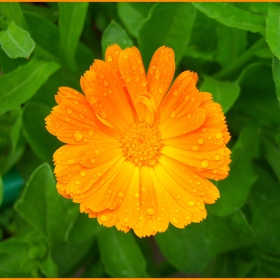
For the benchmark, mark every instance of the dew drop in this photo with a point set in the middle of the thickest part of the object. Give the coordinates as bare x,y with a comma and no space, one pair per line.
187,98
105,83
92,160
126,220
128,79
117,51
219,135
177,210
191,203
97,152
215,171
120,194
201,141
78,135
93,99
77,182
157,74
90,133
109,58
136,195
76,102
144,84
83,173
67,119
172,115
103,218
217,157
160,90
60,153
175,92
103,115
195,148
125,56
187,218
175,221
69,111
204,163
150,211
70,161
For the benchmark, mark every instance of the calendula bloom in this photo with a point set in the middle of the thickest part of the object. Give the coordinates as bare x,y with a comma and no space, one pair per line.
139,151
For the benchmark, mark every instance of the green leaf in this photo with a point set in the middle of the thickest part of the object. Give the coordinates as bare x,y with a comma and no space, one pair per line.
132,14
265,207
185,248
233,194
231,16
120,254
16,42
273,28
56,218
71,22
276,75
232,43
174,30
114,34
254,81
51,34
12,12
42,142
1,190
18,86
225,93
223,234
15,261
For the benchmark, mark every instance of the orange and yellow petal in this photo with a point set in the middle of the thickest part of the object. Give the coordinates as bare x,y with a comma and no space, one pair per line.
160,73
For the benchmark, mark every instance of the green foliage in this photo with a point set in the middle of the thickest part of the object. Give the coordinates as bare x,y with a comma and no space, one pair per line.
234,48
16,42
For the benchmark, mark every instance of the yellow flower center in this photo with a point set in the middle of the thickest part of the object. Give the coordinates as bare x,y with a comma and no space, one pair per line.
141,144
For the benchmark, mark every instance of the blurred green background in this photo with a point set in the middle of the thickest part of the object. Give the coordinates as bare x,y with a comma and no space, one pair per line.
234,48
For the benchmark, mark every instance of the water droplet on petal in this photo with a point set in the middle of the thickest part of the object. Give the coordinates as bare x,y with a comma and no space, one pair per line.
150,211
126,220
92,160
177,210
172,115
215,171
103,218
83,173
219,135
195,148
217,157
70,161
201,141
204,163
187,217
93,99
90,133
77,182
105,83
191,203
136,195
144,84
120,194
97,152
103,115
109,58
69,111
125,56
175,92
128,79
78,135
175,221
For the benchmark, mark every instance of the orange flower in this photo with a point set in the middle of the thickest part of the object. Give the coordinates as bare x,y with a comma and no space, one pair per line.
139,154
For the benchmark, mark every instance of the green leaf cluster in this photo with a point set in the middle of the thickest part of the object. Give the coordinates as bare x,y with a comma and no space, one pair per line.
234,48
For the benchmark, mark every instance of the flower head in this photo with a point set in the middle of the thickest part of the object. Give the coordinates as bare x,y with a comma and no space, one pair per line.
139,151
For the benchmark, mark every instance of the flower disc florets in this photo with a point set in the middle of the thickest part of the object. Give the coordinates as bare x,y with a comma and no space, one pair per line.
141,144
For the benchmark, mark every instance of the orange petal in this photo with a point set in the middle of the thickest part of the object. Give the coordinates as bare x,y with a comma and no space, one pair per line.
182,98
153,201
133,72
108,218
144,231
160,73
105,93
181,123
189,180
202,139
199,161
130,206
